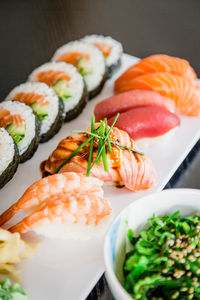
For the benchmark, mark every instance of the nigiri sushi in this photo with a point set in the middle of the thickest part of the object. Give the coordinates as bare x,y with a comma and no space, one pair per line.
67,205
185,94
128,168
158,63
45,104
111,49
147,125
129,100
88,60
67,83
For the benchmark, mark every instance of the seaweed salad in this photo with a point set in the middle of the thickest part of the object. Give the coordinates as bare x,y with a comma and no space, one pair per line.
165,260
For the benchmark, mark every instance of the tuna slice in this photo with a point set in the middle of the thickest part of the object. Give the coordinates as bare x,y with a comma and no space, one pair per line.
146,122
129,100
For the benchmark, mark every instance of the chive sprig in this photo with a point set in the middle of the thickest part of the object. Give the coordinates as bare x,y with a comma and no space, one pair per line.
102,134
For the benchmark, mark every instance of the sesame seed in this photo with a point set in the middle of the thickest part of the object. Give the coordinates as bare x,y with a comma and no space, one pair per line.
175,295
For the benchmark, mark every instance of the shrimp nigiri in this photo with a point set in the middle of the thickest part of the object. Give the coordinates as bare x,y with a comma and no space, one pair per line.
67,205
131,169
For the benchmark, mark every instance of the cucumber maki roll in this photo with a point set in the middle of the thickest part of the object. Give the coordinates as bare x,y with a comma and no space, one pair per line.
9,158
23,126
67,83
111,49
45,104
89,61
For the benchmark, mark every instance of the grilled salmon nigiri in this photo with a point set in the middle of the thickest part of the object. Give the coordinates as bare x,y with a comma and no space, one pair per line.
67,205
126,167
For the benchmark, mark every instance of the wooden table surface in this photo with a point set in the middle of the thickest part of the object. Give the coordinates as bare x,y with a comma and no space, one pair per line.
31,30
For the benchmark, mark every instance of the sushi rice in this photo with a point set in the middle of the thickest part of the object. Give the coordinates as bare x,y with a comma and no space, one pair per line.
114,48
71,92
146,143
50,114
9,158
28,142
90,63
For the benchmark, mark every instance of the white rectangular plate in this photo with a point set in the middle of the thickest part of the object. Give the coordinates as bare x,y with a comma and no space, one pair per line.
69,269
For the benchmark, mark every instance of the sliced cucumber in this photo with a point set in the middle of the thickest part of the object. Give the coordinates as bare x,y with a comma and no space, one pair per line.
83,67
62,89
41,111
17,132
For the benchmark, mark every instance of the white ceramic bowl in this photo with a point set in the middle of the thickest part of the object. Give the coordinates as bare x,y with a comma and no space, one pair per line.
135,216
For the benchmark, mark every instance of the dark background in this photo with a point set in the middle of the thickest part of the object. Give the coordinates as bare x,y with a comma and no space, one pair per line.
31,30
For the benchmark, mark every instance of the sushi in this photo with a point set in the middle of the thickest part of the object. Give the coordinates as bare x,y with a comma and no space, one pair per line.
89,61
129,100
186,95
127,168
66,206
111,49
9,158
148,125
67,83
157,63
23,126
45,104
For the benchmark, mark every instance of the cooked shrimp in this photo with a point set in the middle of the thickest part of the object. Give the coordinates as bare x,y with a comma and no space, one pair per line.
41,190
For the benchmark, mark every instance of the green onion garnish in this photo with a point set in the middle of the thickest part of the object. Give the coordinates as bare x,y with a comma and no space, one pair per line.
91,146
74,153
102,134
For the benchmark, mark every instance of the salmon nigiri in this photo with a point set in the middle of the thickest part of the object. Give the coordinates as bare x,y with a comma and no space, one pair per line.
68,205
158,63
129,100
131,169
185,94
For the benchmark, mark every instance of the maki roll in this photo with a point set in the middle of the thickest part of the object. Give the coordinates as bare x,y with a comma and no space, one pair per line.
23,126
45,104
9,158
67,83
89,61
111,49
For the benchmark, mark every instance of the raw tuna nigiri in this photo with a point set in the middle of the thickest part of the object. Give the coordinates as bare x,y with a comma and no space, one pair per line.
68,205
185,94
129,100
158,63
146,122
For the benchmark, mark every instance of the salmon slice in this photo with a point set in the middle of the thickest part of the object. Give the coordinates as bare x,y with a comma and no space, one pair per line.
103,47
29,98
129,100
146,122
41,190
157,63
123,164
7,118
73,57
50,77
185,94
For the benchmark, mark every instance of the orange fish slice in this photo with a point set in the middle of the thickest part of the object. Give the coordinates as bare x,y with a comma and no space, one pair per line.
29,98
124,166
157,63
73,57
185,94
7,118
50,77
